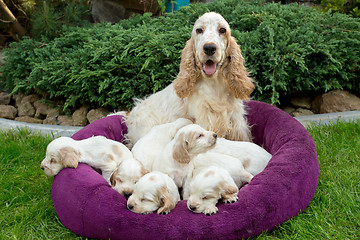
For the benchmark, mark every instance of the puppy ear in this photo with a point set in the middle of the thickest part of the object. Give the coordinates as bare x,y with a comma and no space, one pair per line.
180,149
166,201
113,179
69,157
227,190
236,76
189,71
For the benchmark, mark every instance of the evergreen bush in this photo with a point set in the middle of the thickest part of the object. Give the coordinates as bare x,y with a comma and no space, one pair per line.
288,49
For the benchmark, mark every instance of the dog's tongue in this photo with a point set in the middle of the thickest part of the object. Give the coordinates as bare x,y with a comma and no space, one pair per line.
209,67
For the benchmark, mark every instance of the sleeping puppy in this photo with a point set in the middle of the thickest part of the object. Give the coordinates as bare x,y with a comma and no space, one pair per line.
98,152
149,147
189,141
208,185
155,191
126,175
253,157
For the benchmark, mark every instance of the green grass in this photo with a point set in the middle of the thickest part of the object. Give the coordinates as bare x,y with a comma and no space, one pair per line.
334,213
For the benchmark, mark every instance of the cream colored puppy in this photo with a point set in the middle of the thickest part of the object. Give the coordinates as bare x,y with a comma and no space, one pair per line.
98,152
155,191
253,157
208,186
149,147
188,142
126,175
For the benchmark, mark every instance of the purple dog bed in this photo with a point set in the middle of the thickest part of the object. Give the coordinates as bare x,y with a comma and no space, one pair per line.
88,206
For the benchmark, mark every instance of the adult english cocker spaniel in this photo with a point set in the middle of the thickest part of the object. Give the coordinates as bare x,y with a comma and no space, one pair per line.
209,89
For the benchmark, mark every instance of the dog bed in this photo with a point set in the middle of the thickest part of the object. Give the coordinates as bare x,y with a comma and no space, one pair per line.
89,207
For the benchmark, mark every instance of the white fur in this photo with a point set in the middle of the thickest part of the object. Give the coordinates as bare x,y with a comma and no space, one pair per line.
126,175
189,141
208,186
98,152
149,147
155,191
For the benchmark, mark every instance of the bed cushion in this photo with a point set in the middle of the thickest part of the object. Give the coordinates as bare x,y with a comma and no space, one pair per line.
89,207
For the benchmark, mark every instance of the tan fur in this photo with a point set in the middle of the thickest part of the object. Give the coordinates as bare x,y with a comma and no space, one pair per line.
180,150
69,157
235,74
227,190
166,201
189,71
117,151
113,178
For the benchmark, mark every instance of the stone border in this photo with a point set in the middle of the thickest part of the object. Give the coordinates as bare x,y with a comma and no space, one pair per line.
44,129
68,131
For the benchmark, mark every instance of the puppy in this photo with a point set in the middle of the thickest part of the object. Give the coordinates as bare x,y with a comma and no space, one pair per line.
253,157
208,186
126,175
98,152
189,141
149,147
155,191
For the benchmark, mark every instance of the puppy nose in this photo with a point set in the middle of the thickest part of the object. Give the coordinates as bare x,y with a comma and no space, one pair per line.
129,206
209,49
215,136
192,208
127,194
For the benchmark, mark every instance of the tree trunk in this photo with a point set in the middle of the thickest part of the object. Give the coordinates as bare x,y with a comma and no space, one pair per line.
12,19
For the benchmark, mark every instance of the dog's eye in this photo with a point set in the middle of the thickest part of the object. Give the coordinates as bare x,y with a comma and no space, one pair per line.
205,198
200,135
199,31
222,30
52,160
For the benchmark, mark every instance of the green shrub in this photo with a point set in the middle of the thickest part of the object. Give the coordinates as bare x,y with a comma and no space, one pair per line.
342,6
288,49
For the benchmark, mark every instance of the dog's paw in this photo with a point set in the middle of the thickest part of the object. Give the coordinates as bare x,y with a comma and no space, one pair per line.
231,199
210,211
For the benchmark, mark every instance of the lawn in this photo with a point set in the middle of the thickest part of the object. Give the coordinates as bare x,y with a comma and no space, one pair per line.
334,212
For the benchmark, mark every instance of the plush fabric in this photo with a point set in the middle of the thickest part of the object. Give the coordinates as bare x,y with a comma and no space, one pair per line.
88,206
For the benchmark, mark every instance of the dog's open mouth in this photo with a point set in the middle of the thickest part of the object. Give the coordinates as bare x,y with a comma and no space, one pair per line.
209,67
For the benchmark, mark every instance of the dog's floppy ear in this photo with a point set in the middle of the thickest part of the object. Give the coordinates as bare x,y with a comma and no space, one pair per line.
166,201
226,190
236,76
113,179
189,72
69,157
180,149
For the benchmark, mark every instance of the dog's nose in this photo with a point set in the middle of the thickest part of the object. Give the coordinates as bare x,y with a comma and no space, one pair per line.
209,49
215,135
127,194
129,206
192,208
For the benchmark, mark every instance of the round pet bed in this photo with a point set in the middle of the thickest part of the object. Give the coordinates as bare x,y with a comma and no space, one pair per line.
88,206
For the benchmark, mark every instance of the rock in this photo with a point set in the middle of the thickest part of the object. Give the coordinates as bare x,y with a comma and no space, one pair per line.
51,117
18,97
337,101
8,111
301,102
41,109
301,112
26,109
64,120
288,109
79,117
29,119
4,98
96,114
30,98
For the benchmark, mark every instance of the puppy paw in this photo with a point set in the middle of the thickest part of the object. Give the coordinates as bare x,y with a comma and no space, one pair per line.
210,211
231,199
163,211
